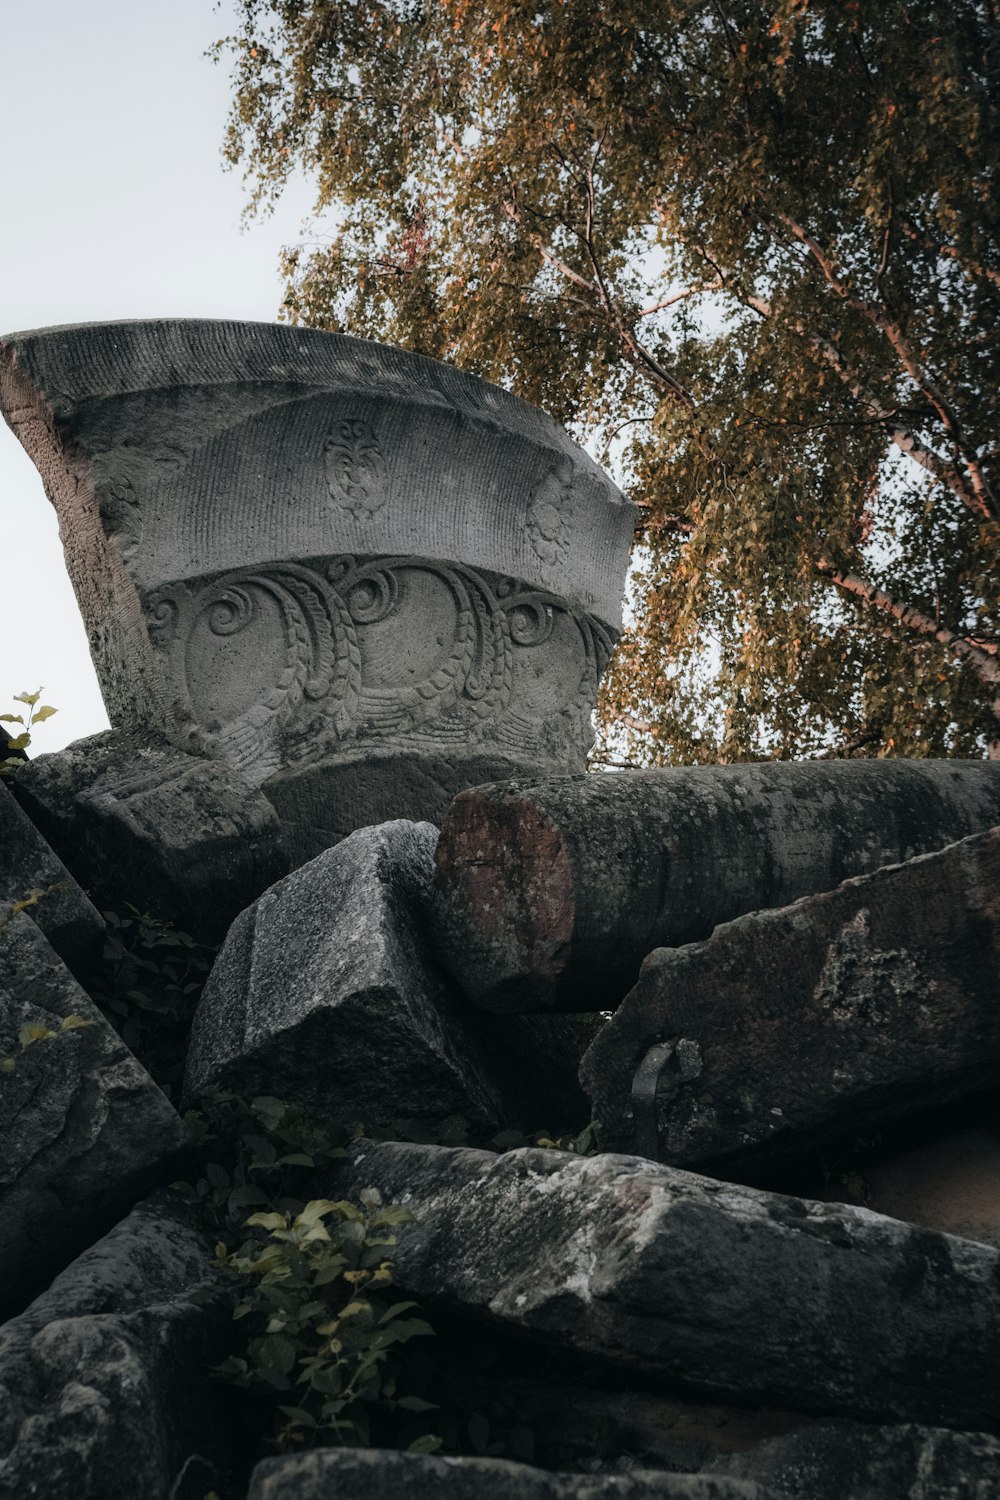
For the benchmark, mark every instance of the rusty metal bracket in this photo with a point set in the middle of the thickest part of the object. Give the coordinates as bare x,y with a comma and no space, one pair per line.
645,1087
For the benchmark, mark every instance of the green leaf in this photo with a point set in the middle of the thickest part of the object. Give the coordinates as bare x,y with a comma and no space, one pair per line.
41,714
416,1403
31,1032
267,1221
11,718
30,698
429,1443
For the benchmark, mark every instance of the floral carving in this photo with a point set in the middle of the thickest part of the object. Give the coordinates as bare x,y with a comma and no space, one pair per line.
550,516
355,468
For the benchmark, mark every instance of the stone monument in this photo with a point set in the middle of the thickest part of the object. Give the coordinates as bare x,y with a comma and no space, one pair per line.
360,577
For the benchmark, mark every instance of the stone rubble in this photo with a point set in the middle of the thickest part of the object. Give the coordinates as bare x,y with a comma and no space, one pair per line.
326,995
329,584
730,1291
85,1130
142,824
104,1386
791,1030
70,922
549,894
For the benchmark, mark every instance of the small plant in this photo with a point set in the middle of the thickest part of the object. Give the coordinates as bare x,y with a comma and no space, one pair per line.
37,714
313,1278
321,1331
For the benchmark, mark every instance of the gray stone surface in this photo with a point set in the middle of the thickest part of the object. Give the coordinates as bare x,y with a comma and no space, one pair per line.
789,1031
364,1474
848,1461
140,822
85,1130
725,1292
950,1181
292,547
104,1385
72,924
549,894
325,994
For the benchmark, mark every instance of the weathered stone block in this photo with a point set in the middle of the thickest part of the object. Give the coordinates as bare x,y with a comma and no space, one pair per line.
294,549
851,1461
549,894
788,1030
85,1130
69,921
104,1385
139,822
731,1293
325,994
364,1474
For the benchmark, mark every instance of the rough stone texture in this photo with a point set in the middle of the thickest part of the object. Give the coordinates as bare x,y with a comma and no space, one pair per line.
363,1474
950,1183
71,923
138,821
730,1292
292,547
848,1461
548,895
104,1386
85,1130
325,994
789,1030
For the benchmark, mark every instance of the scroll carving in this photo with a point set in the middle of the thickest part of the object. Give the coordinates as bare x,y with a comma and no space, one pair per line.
280,665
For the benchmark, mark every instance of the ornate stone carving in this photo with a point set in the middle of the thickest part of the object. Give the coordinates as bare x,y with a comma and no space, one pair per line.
355,467
287,664
363,578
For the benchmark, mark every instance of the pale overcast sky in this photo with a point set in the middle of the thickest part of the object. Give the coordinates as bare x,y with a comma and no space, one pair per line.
114,204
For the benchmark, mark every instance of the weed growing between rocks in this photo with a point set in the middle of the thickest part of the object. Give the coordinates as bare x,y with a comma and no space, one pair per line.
324,1351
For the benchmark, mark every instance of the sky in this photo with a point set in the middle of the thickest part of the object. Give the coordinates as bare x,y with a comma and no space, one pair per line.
114,203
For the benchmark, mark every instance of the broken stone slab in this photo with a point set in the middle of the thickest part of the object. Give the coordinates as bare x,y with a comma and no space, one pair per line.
85,1130
141,823
789,1031
105,1391
726,1293
366,1474
296,552
326,995
852,1461
70,922
548,894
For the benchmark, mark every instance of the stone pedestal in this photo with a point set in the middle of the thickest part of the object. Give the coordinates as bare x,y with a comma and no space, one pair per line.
356,574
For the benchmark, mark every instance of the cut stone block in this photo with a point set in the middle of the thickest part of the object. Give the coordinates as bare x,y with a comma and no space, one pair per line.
364,1474
850,1461
789,1030
325,995
85,1130
549,894
305,554
139,822
72,924
725,1292
104,1386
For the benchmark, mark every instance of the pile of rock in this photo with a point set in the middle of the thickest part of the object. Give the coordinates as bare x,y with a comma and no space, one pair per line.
784,980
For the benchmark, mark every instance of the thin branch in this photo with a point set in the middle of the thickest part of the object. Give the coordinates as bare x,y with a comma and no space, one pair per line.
983,664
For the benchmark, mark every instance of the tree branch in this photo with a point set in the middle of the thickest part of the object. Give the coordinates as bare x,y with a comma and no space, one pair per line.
982,663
